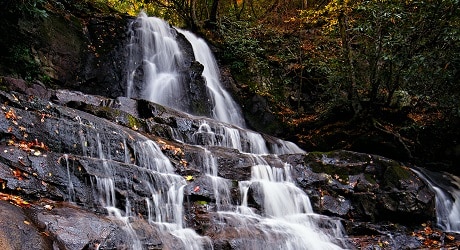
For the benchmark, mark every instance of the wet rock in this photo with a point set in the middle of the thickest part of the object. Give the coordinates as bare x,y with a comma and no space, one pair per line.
70,98
31,89
367,186
17,231
56,153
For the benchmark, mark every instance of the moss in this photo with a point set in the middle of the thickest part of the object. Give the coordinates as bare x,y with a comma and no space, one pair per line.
370,178
133,122
336,172
102,111
314,160
394,174
202,203
2,86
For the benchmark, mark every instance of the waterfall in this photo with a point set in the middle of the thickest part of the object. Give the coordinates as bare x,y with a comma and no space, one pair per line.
447,189
285,219
165,204
70,187
155,56
224,107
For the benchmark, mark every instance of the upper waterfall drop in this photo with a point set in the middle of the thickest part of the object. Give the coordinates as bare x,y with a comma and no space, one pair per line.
156,70
154,56
225,108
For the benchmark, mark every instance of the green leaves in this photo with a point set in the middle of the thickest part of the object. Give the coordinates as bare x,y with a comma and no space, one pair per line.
31,8
408,45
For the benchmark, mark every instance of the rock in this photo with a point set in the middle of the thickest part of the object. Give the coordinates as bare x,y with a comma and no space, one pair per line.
367,186
53,155
17,231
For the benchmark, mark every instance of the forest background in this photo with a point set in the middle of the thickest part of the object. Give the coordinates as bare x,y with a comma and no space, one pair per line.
371,76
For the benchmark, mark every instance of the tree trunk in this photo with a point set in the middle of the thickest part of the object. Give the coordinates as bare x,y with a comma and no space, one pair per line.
213,14
348,58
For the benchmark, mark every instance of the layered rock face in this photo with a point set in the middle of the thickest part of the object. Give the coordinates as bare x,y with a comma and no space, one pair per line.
55,152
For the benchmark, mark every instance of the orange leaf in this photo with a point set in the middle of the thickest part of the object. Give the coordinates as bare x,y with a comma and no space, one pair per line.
17,173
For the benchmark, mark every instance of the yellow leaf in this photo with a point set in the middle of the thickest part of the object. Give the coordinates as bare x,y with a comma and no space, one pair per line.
189,177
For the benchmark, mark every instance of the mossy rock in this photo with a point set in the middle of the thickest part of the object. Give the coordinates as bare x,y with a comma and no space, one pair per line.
343,164
340,164
394,174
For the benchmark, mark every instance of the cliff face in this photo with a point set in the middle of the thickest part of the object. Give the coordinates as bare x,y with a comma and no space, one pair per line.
69,47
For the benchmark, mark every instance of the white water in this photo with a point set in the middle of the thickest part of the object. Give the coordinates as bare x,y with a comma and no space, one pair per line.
286,219
241,139
166,203
70,187
105,187
447,189
225,108
165,207
154,49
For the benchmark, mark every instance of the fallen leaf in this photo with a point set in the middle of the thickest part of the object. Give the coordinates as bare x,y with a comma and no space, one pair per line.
10,114
17,173
183,162
14,199
189,178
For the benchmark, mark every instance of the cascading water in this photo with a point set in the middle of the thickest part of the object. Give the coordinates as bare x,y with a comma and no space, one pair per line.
165,205
153,47
70,187
447,189
243,140
154,57
224,107
286,219
165,208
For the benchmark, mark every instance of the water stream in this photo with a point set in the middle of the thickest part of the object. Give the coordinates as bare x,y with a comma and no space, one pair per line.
154,56
285,219
225,108
447,189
